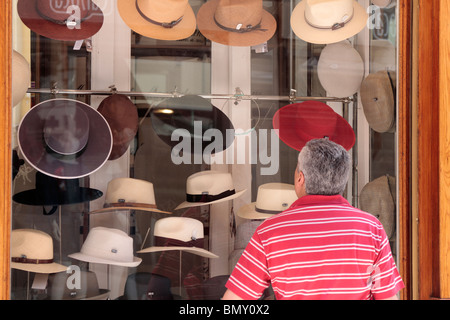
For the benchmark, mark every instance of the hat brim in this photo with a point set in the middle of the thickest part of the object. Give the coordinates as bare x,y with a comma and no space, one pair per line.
34,198
133,19
30,17
128,207
211,31
39,268
249,212
193,250
187,204
308,33
92,259
33,147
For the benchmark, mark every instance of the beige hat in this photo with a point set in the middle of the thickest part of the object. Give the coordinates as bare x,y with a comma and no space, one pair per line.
340,69
378,100
129,193
32,250
382,3
382,56
163,20
272,198
327,21
21,77
179,233
209,187
107,246
378,198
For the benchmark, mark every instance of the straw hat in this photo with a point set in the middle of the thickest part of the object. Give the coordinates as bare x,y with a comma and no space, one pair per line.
179,233
107,246
32,250
236,22
378,100
61,20
129,193
327,21
298,123
122,117
382,56
21,76
209,187
88,287
64,138
272,198
163,20
340,69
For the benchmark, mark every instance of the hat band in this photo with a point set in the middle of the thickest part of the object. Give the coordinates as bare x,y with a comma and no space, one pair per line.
240,28
128,204
31,261
170,242
205,197
266,211
60,22
167,25
336,26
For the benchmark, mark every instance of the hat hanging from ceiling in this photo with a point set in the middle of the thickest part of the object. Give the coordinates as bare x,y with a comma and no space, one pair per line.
129,193
64,138
340,69
61,20
21,77
107,246
327,21
236,22
159,19
179,233
187,118
298,123
209,187
272,198
378,197
32,250
122,117
378,100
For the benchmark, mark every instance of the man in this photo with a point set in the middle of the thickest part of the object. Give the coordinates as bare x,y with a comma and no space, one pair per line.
321,247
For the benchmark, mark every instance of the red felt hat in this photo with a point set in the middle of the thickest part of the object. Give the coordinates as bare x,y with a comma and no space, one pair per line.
298,123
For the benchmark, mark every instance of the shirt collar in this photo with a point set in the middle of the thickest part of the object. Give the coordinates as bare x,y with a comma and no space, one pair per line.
311,200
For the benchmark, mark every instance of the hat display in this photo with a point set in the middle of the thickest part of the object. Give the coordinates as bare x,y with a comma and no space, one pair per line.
272,198
378,198
107,246
21,77
378,100
209,187
64,138
61,20
191,116
340,69
179,233
88,289
236,22
298,123
129,193
122,117
32,250
163,20
327,21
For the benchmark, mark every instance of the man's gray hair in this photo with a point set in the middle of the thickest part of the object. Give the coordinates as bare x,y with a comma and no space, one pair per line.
325,165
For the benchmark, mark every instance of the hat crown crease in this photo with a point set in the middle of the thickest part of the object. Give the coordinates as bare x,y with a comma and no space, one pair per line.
236,16
328,14
162,12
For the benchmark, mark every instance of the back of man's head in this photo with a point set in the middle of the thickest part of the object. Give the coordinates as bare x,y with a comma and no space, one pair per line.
325,166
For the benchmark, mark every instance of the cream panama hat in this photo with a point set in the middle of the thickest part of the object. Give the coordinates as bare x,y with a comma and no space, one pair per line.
32,250
209,187
129,193
107,246
21,77
272,198
179,233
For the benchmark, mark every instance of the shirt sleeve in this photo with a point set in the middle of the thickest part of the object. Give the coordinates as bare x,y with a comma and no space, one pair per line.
250,276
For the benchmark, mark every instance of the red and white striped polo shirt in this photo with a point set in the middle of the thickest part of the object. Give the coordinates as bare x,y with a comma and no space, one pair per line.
320,248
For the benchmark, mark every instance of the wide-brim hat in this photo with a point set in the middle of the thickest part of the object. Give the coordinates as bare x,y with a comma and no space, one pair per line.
21,77
328,21
298,123
64,138
236,22
32,250
340,69
272,198
129,194
107,246
378,100
209,187
179,234
52,18
189,117
163,20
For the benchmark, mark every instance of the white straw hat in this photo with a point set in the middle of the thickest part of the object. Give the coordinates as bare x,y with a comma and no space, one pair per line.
32,250
179,233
